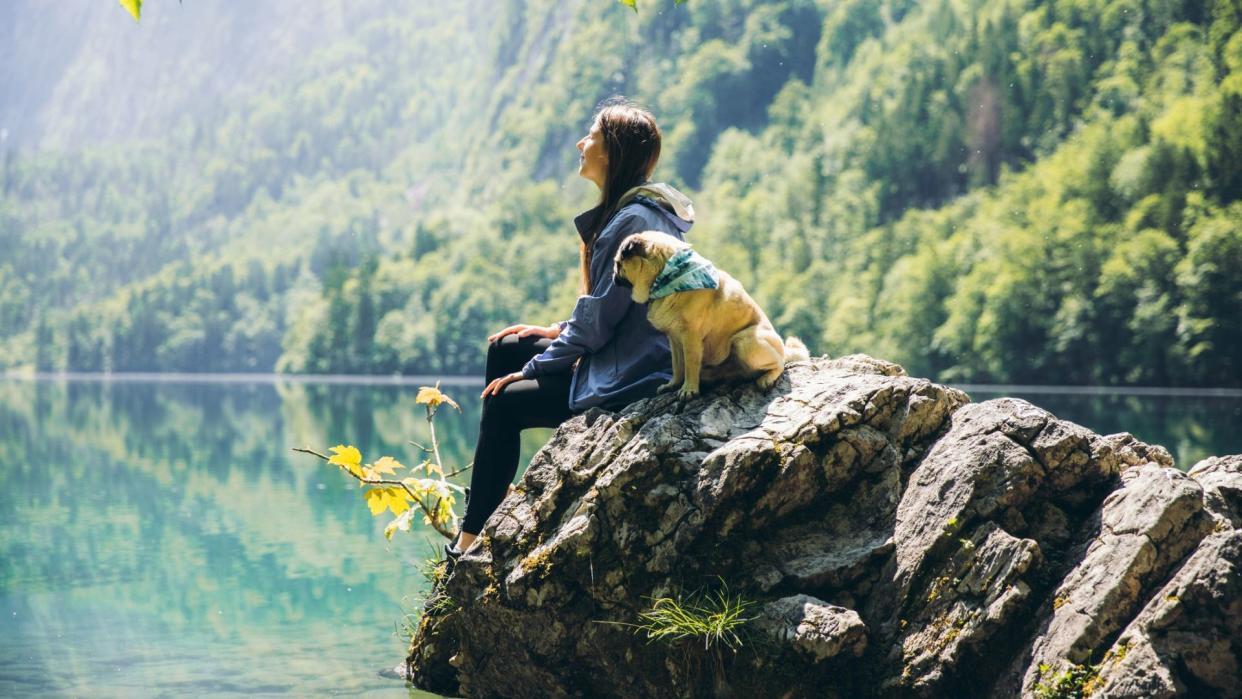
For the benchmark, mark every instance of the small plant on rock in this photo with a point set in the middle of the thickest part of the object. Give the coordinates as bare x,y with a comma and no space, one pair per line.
700,624
434,601
713,618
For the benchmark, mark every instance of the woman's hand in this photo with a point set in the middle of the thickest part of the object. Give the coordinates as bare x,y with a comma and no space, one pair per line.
522,330
498,384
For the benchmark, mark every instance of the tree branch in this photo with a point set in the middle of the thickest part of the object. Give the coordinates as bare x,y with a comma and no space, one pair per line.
375,481
463,469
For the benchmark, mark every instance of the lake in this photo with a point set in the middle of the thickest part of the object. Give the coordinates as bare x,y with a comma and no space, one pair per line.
160,538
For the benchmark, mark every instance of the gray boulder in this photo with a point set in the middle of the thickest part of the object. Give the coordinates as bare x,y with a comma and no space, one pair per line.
888,537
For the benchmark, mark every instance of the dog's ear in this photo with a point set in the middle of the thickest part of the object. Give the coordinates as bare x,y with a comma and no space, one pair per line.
633,247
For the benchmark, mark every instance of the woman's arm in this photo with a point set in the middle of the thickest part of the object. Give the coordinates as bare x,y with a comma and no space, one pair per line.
595,316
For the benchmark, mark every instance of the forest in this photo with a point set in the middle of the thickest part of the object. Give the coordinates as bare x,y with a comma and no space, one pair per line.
984,191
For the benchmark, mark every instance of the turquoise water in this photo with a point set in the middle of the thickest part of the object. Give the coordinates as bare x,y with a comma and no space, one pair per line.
161,539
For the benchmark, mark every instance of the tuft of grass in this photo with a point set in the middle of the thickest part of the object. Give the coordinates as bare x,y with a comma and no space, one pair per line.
684,620
433,602
714,618
432,568
407,625
439,603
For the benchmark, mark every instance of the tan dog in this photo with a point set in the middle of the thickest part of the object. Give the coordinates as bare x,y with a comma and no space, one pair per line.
714,333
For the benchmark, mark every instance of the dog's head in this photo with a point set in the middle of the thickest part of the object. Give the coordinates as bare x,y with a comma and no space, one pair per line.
640,258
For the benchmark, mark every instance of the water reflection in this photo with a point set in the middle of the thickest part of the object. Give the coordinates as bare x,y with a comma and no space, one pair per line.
162,538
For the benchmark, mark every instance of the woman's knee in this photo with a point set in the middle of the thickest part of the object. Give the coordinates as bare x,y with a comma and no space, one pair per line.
499,357
499,407
510,353
503,348
495,350
511,344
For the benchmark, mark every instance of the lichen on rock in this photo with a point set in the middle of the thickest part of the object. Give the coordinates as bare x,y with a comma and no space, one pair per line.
894,539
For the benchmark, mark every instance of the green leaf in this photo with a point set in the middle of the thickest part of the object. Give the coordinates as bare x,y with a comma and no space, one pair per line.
632,4
134,7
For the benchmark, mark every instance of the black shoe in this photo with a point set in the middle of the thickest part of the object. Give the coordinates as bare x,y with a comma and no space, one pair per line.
451,554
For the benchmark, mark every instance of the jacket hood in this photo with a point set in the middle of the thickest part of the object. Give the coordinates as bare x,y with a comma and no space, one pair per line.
658,195
665,195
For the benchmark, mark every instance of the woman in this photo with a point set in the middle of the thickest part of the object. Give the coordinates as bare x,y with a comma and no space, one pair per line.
606,354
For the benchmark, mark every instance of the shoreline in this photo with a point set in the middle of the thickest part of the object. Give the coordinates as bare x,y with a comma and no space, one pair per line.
469,380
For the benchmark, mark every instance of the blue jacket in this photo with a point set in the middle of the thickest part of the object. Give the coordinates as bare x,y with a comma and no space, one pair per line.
621,356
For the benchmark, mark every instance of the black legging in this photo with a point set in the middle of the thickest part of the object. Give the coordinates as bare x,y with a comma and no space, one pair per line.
542,402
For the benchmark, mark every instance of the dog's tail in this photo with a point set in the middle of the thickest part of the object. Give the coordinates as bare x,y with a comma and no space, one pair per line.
795,351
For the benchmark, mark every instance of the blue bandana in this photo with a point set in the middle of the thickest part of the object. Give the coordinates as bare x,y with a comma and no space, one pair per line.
685,270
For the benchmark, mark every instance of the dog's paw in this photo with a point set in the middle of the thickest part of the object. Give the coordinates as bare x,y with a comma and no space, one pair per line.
769,379
686,393
666,387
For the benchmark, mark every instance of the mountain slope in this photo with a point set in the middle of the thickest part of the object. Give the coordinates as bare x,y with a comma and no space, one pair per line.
997,190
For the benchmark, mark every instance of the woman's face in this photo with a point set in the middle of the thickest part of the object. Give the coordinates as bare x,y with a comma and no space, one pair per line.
593,156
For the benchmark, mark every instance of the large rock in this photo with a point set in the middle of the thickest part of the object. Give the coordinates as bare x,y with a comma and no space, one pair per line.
891,538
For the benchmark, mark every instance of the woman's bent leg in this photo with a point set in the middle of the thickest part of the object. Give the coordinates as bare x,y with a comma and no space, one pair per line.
543,402
505,356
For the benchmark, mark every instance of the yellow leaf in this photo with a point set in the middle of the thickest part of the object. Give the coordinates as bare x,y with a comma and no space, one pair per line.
431,395
401,522
392,498
133,6
386,465
376,501
348,458
444,508
430,467
398,501
422,487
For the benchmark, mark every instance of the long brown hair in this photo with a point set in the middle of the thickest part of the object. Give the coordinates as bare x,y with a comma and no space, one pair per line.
632,142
